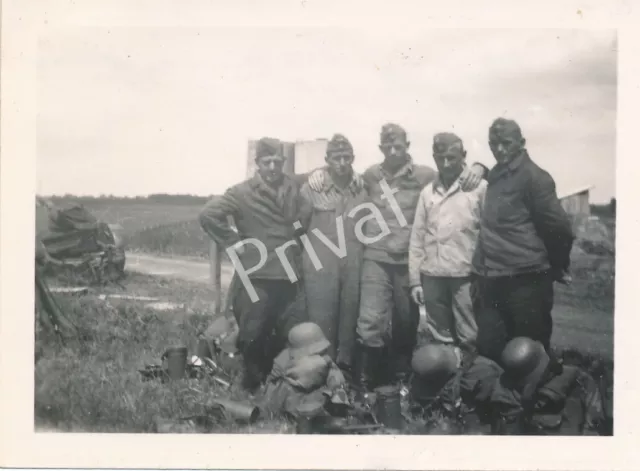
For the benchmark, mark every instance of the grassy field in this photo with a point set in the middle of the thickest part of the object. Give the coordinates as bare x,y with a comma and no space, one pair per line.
92,384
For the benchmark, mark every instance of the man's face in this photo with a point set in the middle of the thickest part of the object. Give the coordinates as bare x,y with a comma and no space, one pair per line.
340,163
450,161
505,145
270,168
395,149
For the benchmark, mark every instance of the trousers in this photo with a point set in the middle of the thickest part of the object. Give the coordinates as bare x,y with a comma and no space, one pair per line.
333,298
512,306
264,325
450,315
387,316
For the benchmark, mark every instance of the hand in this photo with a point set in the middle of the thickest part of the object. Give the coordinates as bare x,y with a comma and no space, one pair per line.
417,295
562,276
358,180
471,177
316,180
238,247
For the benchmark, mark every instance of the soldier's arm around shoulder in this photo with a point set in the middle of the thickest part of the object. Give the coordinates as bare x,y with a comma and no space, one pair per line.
214,217
552,223
424,174
370,177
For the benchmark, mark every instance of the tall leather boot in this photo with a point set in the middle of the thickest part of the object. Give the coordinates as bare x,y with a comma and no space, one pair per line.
366,361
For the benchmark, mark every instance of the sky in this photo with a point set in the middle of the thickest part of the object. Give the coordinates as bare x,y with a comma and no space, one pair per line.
133,111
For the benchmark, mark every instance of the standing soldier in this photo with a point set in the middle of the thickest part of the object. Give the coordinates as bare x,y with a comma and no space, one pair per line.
332,267
388,320
265,208
524,246
443,240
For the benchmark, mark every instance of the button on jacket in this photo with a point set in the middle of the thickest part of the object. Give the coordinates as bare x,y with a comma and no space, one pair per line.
524,228
409,182
445,231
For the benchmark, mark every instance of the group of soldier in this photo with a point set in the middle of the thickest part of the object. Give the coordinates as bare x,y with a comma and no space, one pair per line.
445,288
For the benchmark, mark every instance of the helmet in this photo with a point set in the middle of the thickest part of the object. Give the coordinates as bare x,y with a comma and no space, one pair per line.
307,339
435,360
525,362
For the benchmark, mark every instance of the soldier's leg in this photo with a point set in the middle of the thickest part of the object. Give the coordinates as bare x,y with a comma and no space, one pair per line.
466,328
254,331
529,303
406,317
492,328
322,289
373,327
350,275
437,303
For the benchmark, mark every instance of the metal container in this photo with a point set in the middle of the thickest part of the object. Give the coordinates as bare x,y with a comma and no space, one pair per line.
176,362
238,411
389,407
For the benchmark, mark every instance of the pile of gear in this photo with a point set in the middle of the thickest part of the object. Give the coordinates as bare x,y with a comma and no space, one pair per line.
449,392
79,243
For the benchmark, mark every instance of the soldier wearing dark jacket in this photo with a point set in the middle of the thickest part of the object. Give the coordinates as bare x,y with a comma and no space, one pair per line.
523,247
268,295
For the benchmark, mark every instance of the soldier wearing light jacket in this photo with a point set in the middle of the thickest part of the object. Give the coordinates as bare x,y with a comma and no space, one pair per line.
443,241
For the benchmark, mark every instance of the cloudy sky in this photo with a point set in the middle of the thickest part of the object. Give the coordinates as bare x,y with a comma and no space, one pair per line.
133,111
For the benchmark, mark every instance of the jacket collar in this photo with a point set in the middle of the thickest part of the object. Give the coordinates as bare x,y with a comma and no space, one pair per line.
511,167
329,183
405,170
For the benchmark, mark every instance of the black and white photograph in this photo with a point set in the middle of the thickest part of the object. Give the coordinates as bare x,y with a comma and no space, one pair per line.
324,231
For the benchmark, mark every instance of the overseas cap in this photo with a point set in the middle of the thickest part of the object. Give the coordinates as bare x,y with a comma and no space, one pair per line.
506,127
268,146
339,144
391,131
444,140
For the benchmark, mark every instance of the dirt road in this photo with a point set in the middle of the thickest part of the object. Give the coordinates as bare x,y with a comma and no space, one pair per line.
590,331
186,269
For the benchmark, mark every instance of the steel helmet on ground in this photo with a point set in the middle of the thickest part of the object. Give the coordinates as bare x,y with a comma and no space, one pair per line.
435,360
525,363
307,339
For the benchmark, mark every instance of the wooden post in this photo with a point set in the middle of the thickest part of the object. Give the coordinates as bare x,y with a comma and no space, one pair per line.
215,267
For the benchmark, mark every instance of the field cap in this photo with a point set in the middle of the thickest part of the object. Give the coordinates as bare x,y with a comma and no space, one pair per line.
268,146
445,140
506,127
391,131
339,144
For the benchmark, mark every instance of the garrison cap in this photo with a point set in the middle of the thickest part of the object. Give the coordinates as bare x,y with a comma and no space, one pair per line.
268,146
391,131
444,140
339,144
506,127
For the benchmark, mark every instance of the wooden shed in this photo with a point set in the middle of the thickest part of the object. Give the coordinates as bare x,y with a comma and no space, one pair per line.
576,201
